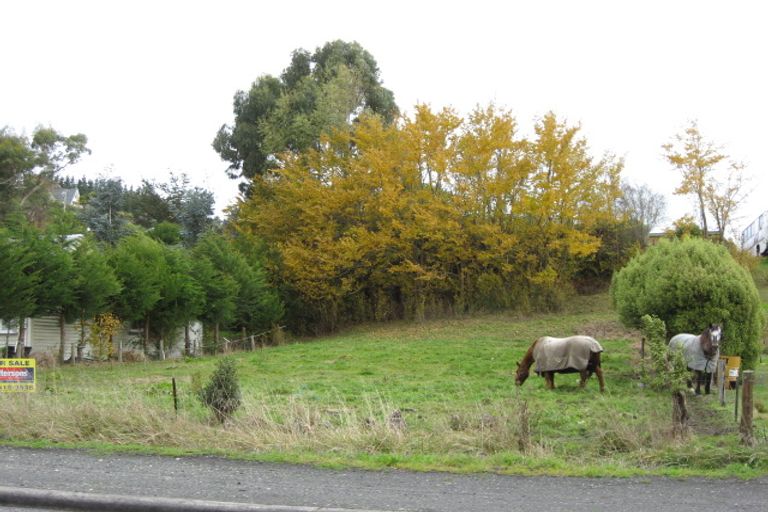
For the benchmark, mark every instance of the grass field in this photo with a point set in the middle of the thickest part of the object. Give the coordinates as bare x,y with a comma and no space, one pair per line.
332,401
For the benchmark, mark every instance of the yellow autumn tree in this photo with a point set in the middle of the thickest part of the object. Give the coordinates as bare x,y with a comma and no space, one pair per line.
434,214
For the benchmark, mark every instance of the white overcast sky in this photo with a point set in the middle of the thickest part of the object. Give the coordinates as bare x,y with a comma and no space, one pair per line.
150,82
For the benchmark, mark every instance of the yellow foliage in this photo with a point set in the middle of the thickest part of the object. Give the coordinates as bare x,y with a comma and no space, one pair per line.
420,209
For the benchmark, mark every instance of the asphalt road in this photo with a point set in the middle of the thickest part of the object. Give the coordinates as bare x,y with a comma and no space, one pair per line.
209,478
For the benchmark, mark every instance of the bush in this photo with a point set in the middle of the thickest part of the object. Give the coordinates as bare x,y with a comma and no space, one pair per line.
222,393
664,370
689,284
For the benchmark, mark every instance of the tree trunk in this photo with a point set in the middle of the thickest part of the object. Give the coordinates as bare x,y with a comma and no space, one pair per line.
187,341
62,338
19,350
146,334
215,336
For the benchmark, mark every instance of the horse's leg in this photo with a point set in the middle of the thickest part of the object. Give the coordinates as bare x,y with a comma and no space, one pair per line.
707,382
584,376
549,377
599,373
697,374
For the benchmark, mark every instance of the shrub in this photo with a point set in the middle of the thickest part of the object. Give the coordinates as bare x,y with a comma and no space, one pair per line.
689,284
664,370
222,393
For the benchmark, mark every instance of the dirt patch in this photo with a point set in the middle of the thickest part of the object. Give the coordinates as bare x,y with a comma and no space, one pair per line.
608,329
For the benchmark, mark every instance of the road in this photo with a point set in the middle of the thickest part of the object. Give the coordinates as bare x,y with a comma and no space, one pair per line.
216,479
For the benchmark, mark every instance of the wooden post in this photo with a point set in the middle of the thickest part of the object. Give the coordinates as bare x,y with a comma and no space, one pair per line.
736,402
745,428
175,396
253,343
679,416
642,347
721,378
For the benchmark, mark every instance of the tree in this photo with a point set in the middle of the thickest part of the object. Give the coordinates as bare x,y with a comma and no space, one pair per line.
689,284
103,214
430,215
146,206
18,280
139,263
315,94
643,208
181,297
94,286
28,168
168,233
220,292
699,159
222,393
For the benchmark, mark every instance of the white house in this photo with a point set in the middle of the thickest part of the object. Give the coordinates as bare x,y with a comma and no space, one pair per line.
754,238
44,335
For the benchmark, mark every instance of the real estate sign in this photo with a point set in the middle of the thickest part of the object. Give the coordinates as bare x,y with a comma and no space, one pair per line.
17,375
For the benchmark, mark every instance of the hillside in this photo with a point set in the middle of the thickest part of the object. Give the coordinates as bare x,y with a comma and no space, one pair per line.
437,395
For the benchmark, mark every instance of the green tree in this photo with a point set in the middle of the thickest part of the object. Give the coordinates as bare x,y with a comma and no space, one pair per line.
166,232
19,281
146,205
139,264
318,92
181,298
28,168
689,284
94,286
220,292
104,213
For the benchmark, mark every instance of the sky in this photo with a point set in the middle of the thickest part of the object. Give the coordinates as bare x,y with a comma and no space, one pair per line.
151,82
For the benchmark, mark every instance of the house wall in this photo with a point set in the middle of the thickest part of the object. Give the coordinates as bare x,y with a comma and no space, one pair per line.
756,234
43,335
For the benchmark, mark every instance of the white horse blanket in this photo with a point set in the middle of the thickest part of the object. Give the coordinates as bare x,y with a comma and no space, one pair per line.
693,353
553,354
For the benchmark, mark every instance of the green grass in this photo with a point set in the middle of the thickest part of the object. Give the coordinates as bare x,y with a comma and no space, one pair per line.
329,402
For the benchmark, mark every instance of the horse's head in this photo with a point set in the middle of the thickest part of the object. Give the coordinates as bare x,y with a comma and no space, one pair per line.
521,374
715,334
711,338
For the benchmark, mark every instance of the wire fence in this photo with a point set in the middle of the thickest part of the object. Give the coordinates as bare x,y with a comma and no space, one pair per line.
252,342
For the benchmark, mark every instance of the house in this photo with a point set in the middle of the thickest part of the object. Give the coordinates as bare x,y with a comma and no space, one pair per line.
754,238
69,197
43,334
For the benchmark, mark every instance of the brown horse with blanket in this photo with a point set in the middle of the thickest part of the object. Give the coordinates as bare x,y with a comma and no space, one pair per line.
575,354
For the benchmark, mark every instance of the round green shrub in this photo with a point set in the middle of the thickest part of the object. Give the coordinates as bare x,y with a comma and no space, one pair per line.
689,284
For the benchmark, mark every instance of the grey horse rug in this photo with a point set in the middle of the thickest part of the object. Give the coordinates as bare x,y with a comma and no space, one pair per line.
553,354
693,353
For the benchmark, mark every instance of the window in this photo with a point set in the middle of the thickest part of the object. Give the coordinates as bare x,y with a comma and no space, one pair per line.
11,327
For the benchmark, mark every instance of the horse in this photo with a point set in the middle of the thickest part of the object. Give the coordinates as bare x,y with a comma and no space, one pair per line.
575,354
700,354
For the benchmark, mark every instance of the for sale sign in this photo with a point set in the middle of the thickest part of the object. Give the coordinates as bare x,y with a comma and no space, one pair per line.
17,375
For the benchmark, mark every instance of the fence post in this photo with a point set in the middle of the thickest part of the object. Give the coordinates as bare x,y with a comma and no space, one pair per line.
642,347
253,343
745,428
175,396
721,381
